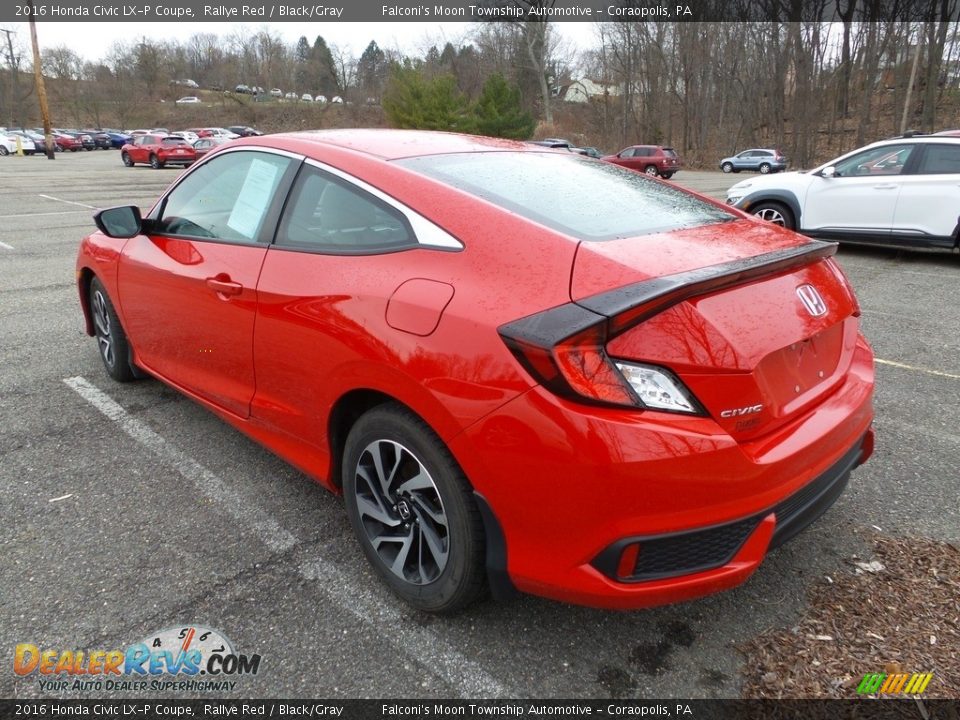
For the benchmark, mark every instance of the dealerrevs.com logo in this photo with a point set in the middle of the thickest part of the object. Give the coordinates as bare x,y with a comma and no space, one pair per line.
192,658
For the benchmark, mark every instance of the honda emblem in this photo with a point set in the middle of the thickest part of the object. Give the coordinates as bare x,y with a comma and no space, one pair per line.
811,300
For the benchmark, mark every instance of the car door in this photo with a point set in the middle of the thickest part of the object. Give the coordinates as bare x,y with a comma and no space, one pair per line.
187,287
929,203
860,198
747,160
341,250
140,152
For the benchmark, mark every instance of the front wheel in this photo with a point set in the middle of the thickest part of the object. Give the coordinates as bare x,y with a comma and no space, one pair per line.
127,160
412,510
3,151
111,339
776,213
727,167
651,170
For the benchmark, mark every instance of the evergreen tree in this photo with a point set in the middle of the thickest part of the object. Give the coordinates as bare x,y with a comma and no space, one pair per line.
411,101
498,112
328,84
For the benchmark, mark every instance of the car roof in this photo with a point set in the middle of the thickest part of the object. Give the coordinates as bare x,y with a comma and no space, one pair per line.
395,144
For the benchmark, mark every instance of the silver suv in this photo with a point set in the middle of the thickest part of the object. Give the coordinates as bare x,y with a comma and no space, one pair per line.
763,160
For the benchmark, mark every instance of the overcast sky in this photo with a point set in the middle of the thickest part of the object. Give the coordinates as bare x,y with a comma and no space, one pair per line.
92,39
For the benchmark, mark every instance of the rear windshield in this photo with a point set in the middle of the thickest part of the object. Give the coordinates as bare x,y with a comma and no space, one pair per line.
174,141
669,152
587,199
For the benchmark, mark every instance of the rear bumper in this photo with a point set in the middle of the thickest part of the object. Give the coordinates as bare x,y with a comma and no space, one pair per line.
572,486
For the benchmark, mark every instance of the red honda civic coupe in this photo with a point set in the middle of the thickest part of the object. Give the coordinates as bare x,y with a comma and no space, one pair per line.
521,368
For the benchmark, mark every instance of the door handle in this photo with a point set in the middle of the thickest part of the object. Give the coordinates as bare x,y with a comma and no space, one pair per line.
224,286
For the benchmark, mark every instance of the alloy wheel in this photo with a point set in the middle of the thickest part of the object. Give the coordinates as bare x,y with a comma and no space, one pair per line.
101,322
401,512
772,215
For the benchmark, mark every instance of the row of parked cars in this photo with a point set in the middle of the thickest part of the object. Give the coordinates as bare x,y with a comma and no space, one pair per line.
653,160
159,147
33,140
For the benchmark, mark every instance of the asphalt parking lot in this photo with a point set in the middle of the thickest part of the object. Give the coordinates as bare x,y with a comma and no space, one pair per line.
126,510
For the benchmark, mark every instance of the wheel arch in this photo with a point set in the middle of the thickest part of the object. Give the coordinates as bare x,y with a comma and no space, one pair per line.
781,196
349,408
84,278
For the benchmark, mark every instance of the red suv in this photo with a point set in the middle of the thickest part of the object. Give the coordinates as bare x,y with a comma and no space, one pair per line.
650,159
158,150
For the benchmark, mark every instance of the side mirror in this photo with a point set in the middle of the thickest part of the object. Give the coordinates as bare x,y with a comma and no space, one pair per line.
828,172
119,222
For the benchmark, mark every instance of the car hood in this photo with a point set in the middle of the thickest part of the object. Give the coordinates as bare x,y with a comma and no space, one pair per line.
785,180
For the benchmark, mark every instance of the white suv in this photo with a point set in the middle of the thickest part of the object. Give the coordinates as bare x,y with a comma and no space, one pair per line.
904,191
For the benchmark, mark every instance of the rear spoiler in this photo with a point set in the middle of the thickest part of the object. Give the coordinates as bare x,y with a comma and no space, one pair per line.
632,304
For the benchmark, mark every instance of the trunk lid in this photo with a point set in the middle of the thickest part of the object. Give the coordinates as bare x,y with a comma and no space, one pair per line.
757,351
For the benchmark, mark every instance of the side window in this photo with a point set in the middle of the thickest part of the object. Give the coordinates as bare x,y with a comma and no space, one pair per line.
327,214
628,153
940,160
886,160
643,152
226,198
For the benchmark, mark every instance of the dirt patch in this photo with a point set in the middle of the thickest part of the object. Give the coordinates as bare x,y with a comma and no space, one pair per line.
896,612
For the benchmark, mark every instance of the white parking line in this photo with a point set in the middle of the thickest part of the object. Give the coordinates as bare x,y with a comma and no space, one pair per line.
206,482
347,591
30,215
5,246
419,643
68,202
904,366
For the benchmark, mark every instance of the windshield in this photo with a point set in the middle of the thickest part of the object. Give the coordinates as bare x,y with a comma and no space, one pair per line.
587,199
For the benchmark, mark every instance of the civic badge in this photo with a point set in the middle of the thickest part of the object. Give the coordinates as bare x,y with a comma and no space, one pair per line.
811,300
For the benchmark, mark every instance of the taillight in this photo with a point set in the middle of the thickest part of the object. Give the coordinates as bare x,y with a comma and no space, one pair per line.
578,367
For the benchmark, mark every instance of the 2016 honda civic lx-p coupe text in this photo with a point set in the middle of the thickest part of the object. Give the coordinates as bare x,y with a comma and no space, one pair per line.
618,398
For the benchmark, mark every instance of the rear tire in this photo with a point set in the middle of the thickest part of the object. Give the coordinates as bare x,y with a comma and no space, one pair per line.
776,213
667,175
651,170
155,162
3,151
412,511
111,339
764,168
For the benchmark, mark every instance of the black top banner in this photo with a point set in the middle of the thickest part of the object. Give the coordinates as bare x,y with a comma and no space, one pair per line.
482,11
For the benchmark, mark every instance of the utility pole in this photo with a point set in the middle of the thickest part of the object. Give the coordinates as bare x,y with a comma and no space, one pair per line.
14,85
41,88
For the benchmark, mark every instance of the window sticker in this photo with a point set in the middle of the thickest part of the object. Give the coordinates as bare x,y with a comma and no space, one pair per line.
255,195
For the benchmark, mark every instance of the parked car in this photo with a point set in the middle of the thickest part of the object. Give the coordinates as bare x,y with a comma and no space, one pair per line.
217,132
244,131
206,144
320,98
8,143
903,191
290,96
555,143
63,141
650,159
189,100
307,97
617,398
589,151
276,92
336,100
118,139
243,90
188,135
101,140
38,139
762,160
86,139
158,151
